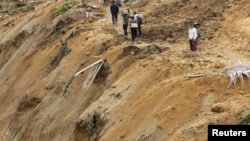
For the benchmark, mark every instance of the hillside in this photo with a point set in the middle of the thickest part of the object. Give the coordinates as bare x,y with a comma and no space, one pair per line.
138,94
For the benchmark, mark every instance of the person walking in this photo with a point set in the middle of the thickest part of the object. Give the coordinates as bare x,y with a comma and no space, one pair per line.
114,9
125,15
133,28
192,36
139,22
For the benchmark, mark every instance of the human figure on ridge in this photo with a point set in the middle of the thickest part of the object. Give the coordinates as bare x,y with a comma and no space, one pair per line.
126,16
198,31
114,9
139,22
192,36
133,28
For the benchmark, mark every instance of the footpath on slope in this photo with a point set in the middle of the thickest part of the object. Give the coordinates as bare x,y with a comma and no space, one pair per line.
119,26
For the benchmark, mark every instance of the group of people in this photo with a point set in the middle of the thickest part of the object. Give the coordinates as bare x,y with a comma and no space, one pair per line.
134,21
194,34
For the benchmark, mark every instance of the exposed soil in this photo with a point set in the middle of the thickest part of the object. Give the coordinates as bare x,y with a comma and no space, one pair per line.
153,89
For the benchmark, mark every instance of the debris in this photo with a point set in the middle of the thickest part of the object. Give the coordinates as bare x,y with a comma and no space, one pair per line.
153,49
76,74
218,108
100,71
197,75
87,14
130,50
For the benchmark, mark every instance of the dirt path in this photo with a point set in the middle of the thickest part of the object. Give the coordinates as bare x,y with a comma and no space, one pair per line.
119,26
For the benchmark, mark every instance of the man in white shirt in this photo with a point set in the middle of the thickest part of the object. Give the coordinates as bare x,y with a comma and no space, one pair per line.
139,24
192,36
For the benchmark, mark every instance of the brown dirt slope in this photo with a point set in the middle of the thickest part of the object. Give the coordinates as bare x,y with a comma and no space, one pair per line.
138,95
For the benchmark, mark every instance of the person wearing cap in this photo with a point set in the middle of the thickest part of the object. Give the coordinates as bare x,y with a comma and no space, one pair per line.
192,36
126,16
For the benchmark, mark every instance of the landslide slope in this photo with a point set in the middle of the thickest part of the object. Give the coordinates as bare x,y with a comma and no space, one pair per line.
139,94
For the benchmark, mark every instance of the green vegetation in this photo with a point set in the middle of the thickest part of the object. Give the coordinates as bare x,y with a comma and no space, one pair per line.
7,7
65,7
28,6
10,7
189,130
245,117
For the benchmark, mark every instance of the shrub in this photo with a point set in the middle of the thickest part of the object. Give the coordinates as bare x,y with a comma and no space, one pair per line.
63,8
245,117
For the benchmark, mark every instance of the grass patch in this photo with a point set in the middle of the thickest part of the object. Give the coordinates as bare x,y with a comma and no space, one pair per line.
190,130
64,8
245,117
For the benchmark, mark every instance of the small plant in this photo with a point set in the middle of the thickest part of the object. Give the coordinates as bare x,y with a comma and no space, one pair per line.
29,6
189,130
245,117
62,9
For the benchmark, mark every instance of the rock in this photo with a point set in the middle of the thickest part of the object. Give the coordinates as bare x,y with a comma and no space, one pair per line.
218,108
153,49
170,40
87,53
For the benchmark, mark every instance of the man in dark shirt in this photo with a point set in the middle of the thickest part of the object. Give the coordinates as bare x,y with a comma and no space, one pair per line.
114,9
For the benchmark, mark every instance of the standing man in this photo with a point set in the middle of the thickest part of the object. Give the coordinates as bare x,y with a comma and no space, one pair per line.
192,36
114,9
126,16
133,28
198,32
139,21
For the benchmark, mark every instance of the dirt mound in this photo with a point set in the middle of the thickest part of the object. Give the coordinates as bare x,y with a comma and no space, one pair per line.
89,128
28,103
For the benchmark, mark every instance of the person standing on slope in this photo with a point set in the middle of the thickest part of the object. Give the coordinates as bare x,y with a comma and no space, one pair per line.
114,9
192,36
138,20
133,28
198,32
126,16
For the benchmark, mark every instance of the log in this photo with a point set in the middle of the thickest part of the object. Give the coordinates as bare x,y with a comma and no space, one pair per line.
196,75
87,67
